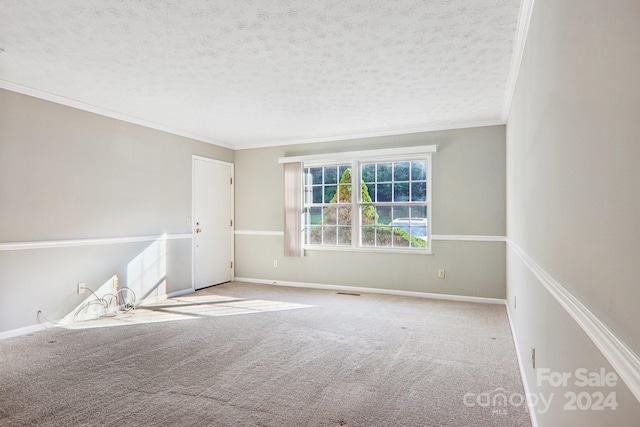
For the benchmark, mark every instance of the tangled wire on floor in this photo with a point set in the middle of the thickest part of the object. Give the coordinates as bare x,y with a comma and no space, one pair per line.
110,305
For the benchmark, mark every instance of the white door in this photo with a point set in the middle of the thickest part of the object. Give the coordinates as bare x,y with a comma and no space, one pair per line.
212,222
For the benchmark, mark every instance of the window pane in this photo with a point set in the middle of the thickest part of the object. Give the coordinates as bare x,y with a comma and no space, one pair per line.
308,195
344,215
330,216
410,232
315,216
401,224
418,191
401,238
401,192
383,172
342,170
308,178
370,192
344,236
401,171
317,194
419,170
418,212
331,175
316,176
329,235
329,192
369,172
383,192
382,215
368,236
419,233
345,193
419,229
400,212
369,215
383,236
315,236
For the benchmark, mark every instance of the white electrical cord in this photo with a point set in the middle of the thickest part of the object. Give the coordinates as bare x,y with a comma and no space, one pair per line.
123,301
112,305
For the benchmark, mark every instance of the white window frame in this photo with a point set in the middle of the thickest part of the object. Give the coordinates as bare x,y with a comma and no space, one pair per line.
306,206
359,203
355,159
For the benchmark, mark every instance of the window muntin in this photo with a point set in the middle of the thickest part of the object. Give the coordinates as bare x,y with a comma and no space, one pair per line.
390,210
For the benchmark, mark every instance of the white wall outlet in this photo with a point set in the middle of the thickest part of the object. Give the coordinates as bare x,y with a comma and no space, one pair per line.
275,263
441,273
81,286
533,357
188,221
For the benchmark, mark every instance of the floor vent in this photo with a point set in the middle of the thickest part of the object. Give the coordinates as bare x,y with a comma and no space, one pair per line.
348,293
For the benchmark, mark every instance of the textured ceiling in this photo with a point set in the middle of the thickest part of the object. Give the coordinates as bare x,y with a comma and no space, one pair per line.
266,72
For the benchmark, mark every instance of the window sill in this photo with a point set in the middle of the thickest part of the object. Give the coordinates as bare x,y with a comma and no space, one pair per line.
368,250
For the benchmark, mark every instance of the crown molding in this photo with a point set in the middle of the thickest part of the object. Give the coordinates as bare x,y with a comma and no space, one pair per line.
373,134
526,10
80,105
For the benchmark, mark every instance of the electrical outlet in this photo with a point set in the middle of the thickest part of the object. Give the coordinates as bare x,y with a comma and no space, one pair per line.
81,288
533,357
275,263
441,273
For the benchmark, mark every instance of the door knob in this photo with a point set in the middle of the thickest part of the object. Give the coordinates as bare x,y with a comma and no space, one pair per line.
198,230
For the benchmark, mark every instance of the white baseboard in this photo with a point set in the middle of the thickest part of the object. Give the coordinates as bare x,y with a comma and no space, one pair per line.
179,293
46,325
447,297
525,383
26,330
482,300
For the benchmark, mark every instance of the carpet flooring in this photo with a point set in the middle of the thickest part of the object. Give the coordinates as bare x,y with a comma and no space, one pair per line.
242,354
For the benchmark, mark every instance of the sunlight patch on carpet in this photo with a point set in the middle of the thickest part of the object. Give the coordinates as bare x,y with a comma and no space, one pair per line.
237,307
188,308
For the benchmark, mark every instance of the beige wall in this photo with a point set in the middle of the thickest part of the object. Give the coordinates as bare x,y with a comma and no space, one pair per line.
69,174
468,199
574,189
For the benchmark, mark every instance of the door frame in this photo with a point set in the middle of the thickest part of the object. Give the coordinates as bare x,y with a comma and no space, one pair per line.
193,211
